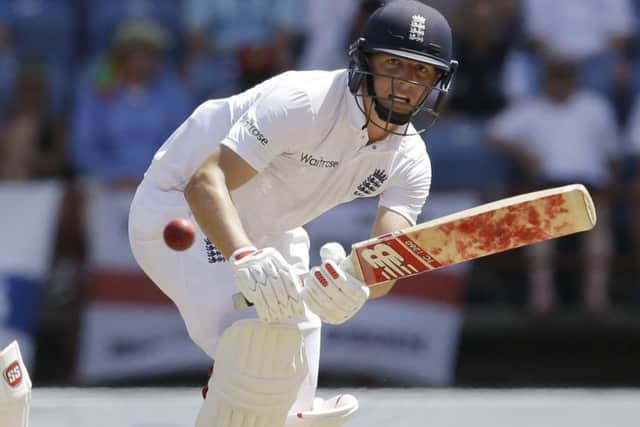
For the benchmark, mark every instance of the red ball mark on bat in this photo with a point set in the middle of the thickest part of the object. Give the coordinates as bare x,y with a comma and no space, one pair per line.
321,279
534,217
561,227
554,206
448,228
522,224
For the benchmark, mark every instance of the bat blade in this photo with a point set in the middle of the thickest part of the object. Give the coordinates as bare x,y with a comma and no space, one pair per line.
469,234
473,233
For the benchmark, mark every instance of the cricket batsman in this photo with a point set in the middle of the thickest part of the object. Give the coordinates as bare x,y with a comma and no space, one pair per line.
251,170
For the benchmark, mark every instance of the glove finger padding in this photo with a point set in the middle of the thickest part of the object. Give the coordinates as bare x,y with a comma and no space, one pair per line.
335,291
319,301
291,286
265,279
269,290
350,285
275,270
331,292
335,252
314,286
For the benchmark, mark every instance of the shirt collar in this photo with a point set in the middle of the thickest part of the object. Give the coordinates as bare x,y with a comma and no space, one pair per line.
355,111
356,115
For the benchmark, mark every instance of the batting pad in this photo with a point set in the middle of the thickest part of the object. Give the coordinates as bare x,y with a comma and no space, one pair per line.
334,412
15,388
259,368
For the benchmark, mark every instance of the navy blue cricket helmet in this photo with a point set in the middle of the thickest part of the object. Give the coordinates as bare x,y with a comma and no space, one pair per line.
411,30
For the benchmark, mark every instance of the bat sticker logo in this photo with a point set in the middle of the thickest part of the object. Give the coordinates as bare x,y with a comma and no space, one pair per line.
392,264
13,374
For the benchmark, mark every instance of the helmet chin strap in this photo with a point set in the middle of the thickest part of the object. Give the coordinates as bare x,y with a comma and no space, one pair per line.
390,115
383,112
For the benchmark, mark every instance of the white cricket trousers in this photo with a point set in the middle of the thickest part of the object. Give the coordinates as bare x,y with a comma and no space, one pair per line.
201,283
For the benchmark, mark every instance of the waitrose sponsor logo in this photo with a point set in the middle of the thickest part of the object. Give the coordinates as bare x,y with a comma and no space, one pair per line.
318,162
250,125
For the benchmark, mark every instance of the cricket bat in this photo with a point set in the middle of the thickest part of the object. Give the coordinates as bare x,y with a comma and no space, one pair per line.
469,234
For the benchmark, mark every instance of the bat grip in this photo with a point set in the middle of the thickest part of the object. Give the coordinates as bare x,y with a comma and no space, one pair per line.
241,303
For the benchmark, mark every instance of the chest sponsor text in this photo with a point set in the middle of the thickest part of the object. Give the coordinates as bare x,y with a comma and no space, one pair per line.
318,162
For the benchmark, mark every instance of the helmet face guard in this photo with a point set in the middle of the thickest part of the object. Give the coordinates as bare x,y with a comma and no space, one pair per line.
410,30
361,86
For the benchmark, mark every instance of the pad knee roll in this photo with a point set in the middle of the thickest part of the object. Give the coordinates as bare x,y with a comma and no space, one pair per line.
259,368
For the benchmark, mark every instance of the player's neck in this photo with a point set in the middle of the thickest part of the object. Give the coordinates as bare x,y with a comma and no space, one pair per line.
375,133
377,129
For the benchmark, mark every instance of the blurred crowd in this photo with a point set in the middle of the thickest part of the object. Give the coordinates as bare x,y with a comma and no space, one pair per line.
547,94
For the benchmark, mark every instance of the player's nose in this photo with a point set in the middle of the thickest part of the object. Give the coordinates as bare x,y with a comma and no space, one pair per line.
403,88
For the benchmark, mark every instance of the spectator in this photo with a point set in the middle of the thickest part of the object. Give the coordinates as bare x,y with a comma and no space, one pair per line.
561,136
633,139
246,41
329,25
105,17
127,107
47,32
483,40
31,142
367,7
8,67
595,34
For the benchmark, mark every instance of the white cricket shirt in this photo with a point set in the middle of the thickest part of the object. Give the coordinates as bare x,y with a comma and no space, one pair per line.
302,130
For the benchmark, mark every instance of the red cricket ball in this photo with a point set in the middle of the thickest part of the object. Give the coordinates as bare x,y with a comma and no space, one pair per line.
179,234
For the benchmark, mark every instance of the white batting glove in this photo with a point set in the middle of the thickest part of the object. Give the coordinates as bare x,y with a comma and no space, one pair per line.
331,290
269,282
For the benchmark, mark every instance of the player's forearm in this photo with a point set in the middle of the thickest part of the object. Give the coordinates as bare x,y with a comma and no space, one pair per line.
213,209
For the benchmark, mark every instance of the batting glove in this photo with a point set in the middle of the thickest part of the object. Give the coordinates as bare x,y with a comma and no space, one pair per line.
331,290
269,282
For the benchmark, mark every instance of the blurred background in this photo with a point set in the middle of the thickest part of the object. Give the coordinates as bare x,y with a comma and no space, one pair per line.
547,94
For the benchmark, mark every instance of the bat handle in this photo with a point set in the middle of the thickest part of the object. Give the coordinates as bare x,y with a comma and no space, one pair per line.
240,302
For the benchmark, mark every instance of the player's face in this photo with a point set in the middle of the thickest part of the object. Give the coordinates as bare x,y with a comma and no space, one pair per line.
401,84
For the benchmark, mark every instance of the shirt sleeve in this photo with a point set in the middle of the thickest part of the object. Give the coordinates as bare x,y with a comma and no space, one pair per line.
408,190
278,120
